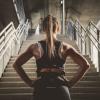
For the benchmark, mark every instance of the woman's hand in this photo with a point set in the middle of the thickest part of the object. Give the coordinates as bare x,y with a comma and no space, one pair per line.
30,83
67,82
70,84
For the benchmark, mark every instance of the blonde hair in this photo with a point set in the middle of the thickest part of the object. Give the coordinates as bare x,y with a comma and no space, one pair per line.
50,25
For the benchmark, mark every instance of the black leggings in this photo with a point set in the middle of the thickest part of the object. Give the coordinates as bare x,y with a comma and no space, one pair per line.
51,91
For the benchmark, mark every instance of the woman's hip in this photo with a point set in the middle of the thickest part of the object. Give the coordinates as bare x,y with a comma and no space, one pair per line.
52,93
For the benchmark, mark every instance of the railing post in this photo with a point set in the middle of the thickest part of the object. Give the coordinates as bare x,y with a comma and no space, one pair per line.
81,40
63,16
88,42
98,69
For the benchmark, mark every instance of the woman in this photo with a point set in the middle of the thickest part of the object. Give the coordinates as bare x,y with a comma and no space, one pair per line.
50,55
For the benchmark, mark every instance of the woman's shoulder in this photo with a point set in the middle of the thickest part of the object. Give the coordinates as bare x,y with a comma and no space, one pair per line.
66,46
33,46
69,48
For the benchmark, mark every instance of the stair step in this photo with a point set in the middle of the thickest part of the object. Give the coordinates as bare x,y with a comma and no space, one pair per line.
13,79
13,84
85,90
22,84
88,84
85,96
68,58
16,74
17,78
34,69
34,65
30,90
33,61
16,96
34,73
29,96
16,90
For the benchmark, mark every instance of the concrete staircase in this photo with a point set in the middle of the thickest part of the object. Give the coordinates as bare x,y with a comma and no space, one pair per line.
13,88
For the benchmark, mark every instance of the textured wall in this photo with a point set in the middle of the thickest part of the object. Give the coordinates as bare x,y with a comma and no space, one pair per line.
7,13
85,10
35,16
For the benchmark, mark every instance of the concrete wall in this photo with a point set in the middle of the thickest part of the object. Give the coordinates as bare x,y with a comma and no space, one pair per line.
35,17
7,13
52,9
85,10
55,9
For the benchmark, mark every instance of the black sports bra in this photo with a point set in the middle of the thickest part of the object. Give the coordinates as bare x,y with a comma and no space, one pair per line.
45,61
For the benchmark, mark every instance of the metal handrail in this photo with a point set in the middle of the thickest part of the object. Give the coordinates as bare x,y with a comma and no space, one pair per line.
6,28
4,31
94,38
86,37
94,43
88,29
83,38
85,30
7,38
77,21
80,34
91,23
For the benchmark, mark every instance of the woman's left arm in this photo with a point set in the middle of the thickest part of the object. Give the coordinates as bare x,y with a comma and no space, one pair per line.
81,61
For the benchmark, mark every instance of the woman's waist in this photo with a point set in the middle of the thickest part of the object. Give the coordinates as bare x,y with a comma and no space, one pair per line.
49,71
49,80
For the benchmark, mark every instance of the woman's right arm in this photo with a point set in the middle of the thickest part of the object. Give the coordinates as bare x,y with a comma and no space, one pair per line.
23,58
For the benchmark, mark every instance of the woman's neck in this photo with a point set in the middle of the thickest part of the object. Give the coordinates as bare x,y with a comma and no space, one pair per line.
54,37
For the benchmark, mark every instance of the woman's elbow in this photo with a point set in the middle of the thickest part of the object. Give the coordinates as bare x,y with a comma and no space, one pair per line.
15,65
87,66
